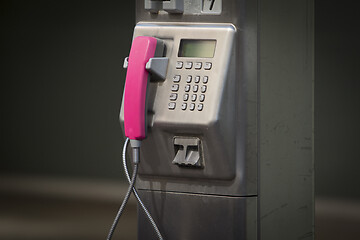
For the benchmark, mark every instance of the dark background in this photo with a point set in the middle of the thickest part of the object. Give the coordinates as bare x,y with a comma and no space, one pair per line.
62,81
337,99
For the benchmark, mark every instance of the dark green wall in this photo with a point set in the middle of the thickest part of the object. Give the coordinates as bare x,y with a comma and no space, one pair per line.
62,82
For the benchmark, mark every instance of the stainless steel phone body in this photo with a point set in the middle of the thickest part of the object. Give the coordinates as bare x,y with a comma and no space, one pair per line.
198,99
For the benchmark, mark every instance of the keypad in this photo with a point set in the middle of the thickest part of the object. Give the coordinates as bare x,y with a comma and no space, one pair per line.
188,79
176,78
172,105
198,65
184,106
197,79
175,87
179,65
207,65
188,65
173,96
205,79
203,88
189,89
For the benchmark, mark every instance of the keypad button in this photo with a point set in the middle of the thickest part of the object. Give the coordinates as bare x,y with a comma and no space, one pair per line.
200,107
176,78
197,79
193,97
188,65
202,97
203,88
207,65
175,87
186,97
205,79
192,107
198,65
187,88
179,65
184,106
188,79
195,88
173,96
172,105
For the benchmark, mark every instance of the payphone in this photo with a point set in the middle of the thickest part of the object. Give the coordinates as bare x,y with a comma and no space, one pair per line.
192,97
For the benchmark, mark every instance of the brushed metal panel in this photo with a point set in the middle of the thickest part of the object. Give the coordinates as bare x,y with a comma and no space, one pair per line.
198,217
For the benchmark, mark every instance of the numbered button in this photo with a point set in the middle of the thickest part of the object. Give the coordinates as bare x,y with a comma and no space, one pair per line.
184,106
193,97
198,65
175,87
173,96
179,65
188,65
197,79
192,107
188,79
203,88
195,88
187,88
200,107
202,97
205,79
171,105
207,65
186,97
176,78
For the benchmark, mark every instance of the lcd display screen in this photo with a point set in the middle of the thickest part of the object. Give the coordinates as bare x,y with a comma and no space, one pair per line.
197,48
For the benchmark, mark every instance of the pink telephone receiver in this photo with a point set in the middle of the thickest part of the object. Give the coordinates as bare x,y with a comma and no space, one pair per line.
142,49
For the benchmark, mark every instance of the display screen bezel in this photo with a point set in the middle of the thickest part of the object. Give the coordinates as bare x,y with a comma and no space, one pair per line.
206,48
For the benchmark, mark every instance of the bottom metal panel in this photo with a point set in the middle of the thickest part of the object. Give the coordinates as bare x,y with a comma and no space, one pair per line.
181,216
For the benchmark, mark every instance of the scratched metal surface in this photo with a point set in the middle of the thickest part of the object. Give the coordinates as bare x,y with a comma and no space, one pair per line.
286,175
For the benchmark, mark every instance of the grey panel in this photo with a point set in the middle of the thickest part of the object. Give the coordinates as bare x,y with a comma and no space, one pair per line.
223,12
286,118
198,217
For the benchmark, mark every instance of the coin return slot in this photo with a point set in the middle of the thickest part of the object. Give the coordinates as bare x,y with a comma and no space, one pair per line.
187,152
